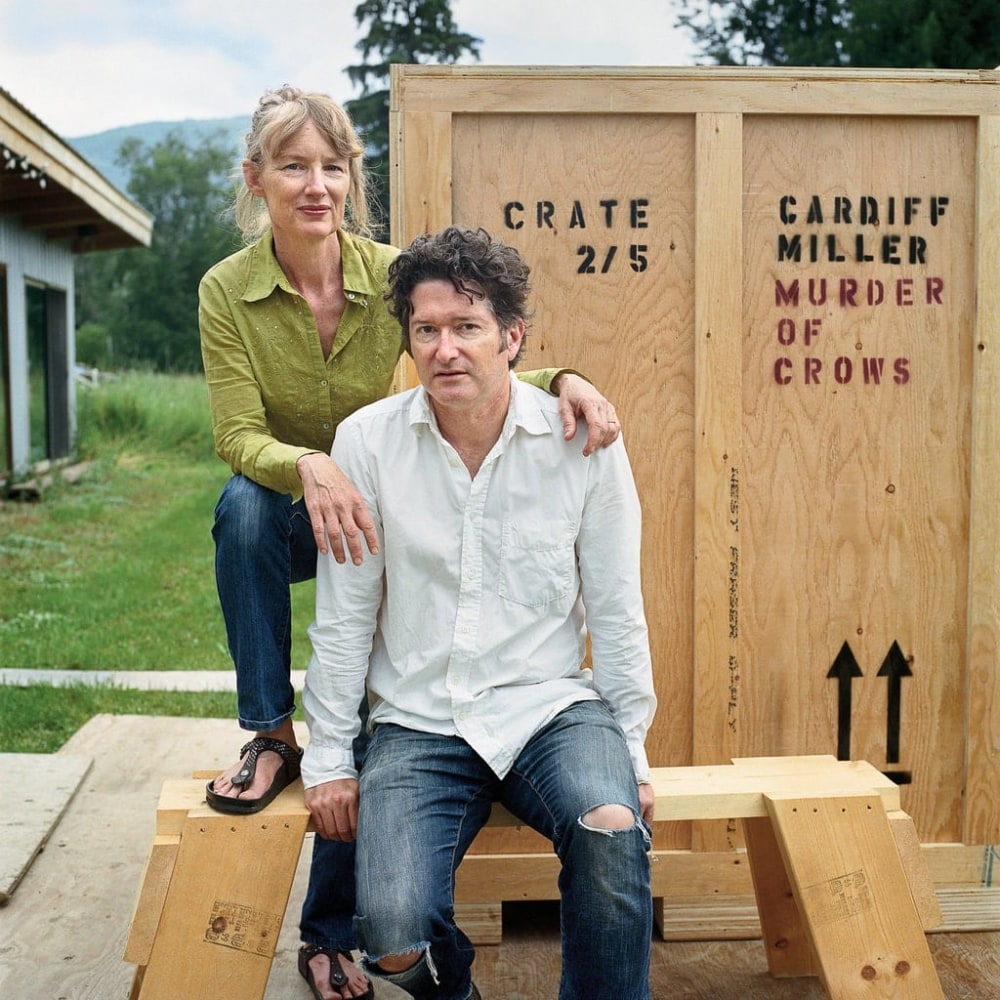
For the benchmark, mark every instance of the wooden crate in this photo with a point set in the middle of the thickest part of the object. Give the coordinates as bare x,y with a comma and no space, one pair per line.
787,281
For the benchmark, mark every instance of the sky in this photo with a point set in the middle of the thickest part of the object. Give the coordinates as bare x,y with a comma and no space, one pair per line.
84,68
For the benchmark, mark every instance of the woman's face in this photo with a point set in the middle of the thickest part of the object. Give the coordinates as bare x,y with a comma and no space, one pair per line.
304,186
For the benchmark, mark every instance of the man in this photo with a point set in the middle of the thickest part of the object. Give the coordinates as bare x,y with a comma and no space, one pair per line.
501,547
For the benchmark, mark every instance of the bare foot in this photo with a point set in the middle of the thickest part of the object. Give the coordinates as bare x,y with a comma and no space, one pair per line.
268,765
357,984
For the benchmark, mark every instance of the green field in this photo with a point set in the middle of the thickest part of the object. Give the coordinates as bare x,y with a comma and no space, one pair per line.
114,572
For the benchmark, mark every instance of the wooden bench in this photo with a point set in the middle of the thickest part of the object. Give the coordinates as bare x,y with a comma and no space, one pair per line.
841,887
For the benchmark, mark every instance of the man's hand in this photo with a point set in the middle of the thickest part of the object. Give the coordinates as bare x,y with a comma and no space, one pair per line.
647,801
578,398
335,508
334,808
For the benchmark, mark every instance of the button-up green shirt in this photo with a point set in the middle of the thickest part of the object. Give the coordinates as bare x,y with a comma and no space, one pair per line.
273,396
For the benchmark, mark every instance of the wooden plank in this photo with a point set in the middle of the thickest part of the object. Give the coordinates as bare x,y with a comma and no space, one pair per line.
787,944
181,796
918,873
423,205
682,793
149,902
724,790
739,790
964,864
481,922
420,184
968,908
856,476
691,90
717,451
225,905
701,918
851,890
34,794
981,804
675,875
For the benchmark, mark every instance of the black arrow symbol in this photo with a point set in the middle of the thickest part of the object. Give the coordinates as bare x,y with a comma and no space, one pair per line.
845,668
895,666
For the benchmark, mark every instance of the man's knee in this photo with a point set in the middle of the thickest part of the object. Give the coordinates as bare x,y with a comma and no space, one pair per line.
399,963
611,816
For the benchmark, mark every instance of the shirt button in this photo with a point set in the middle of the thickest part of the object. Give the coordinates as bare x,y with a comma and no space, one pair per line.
326,427
323,382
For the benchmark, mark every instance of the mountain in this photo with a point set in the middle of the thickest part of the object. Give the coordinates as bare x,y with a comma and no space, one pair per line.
100,150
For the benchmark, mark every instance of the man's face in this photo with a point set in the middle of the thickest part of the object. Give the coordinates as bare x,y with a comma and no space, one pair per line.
459,351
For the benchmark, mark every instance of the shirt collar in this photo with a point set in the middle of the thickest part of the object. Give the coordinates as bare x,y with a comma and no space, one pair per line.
265,274
525,410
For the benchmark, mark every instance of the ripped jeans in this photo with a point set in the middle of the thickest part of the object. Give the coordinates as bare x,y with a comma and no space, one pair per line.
423,799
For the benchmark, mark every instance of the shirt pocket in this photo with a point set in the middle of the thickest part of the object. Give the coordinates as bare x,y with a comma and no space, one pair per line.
537,562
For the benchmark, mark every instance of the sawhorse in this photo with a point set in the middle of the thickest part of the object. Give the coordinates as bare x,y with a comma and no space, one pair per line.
842,890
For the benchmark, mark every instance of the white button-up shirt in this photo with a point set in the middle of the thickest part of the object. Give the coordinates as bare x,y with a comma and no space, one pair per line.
473,618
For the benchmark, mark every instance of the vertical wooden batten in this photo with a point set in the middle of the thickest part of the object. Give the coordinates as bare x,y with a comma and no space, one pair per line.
981,816
717,449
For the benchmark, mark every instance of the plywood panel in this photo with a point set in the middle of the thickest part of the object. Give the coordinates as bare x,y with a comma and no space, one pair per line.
859,299
602,208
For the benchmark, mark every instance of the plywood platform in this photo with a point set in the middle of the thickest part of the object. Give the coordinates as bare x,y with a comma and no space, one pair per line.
34,792
64,930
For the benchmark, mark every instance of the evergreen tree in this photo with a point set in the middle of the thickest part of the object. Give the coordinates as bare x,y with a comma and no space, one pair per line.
398,31
925,34
941,34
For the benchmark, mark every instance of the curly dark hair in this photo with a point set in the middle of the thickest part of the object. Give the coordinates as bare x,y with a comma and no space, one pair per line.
477,266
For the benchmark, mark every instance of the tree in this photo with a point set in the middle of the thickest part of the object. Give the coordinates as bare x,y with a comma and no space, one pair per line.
925,34
943,34
146,298
767,32
399,31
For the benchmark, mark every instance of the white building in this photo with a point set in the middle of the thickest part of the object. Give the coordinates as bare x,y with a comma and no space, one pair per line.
53,205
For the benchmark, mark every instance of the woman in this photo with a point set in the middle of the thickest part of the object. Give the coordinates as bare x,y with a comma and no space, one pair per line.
295,336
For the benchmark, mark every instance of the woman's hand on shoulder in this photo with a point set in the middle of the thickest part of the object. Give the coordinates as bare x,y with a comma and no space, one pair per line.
578,398
336,509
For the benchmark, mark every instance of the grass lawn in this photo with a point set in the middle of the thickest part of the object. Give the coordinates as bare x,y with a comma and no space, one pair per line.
115,572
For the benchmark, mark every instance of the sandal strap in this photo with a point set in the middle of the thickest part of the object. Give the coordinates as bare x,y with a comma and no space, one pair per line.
255,747
307,952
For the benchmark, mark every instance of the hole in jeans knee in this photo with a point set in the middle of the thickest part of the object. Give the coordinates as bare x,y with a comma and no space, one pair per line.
609,818
398,963
403,967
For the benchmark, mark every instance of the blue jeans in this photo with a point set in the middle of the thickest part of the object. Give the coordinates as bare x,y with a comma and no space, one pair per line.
424,797
263,544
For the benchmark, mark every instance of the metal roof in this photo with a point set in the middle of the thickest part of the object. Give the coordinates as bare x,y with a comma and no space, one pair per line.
50,188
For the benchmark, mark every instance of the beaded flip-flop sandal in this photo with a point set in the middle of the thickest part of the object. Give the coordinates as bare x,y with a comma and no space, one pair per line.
338,978
291,760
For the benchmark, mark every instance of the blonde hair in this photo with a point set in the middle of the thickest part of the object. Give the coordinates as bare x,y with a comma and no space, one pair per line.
279,115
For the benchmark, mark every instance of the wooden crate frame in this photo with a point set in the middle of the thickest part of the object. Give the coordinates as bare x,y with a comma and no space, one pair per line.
428,104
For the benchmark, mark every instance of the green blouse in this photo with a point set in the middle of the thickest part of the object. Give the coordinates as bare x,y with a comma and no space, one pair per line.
273,396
